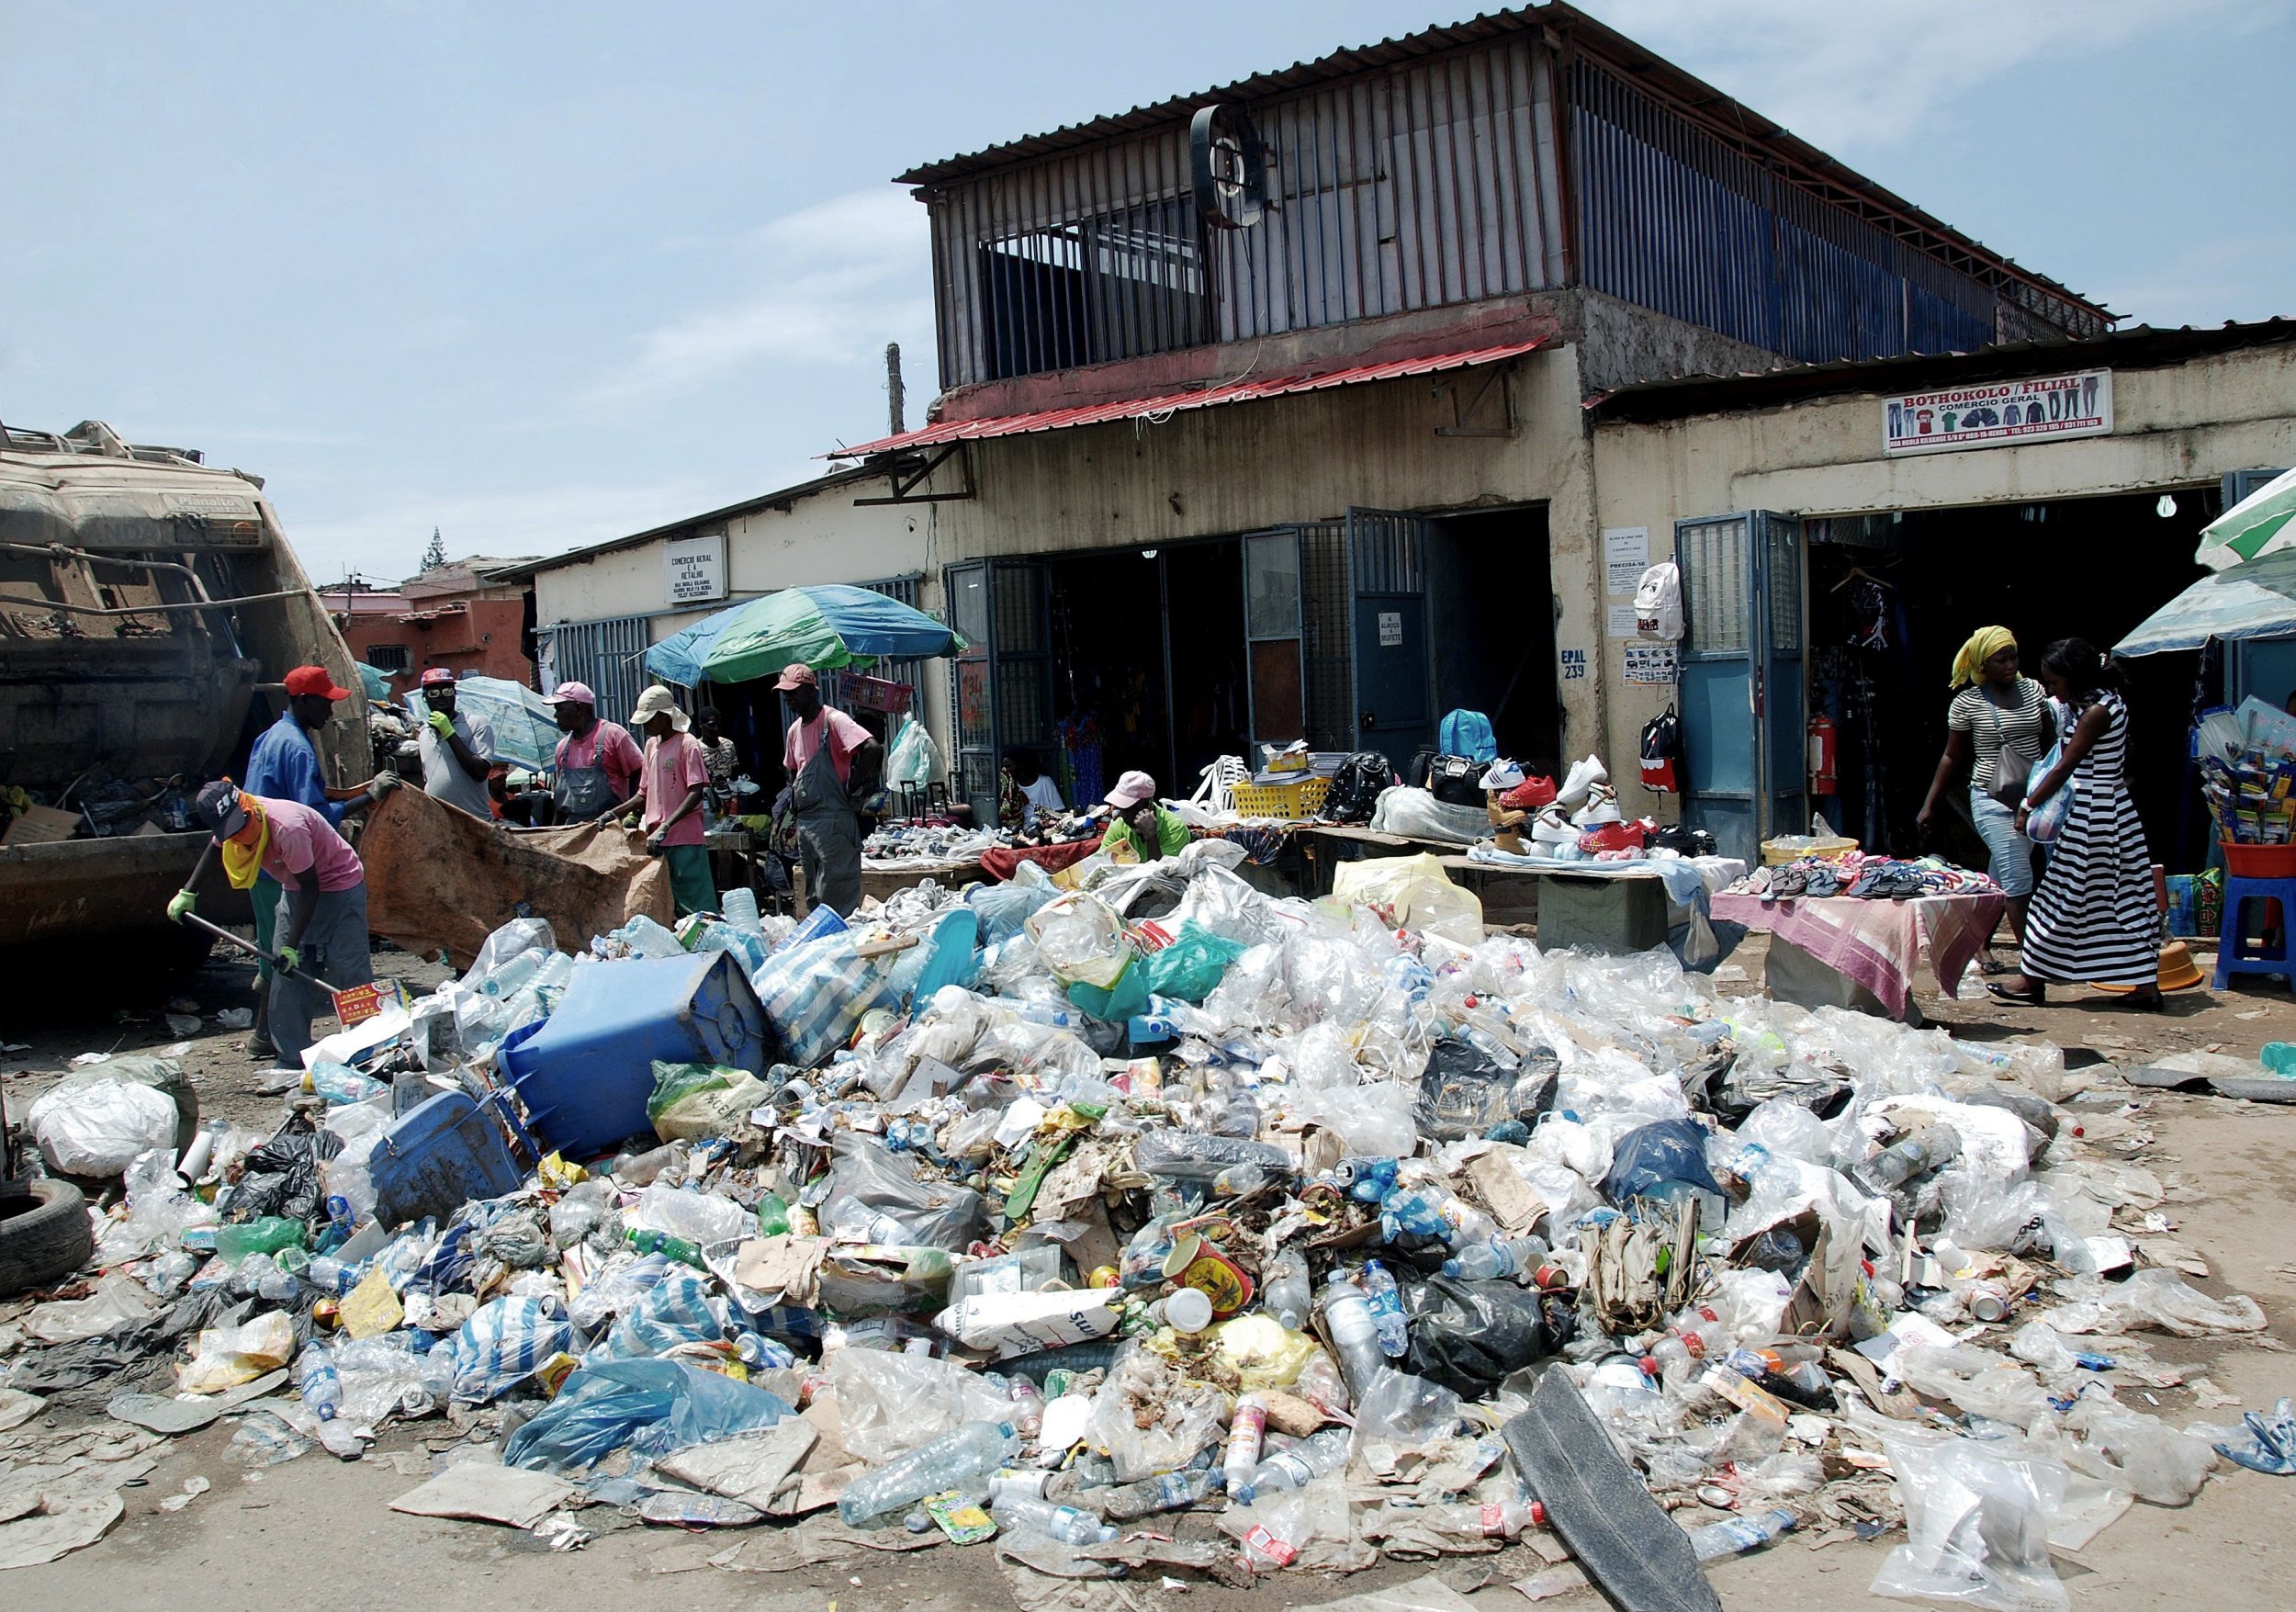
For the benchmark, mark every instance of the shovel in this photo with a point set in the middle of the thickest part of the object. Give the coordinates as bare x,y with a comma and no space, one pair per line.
246,945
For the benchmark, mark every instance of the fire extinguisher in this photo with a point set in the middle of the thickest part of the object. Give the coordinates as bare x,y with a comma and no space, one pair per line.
1824,731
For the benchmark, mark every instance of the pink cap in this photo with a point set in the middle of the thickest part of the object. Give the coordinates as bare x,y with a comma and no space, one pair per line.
576,693
1130,790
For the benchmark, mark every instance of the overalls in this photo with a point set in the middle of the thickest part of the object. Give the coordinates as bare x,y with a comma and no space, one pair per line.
582,793
829,832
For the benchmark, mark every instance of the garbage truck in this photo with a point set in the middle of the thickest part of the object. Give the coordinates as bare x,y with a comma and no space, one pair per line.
150,606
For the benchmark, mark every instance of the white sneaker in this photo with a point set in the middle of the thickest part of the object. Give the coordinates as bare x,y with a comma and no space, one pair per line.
1602,807
1550,828
1582,776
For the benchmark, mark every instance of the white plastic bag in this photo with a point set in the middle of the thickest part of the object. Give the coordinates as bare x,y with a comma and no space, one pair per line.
1413,893
1978,1523
889,1405
912,759
97,1128
1081,940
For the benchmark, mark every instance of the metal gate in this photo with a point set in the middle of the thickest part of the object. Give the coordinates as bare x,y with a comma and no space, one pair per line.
608,655
1742,690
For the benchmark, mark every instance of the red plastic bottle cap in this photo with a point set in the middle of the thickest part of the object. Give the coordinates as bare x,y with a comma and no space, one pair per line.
1538,1512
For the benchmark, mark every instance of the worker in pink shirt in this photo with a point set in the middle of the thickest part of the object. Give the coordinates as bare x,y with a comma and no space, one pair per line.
833,763
673,781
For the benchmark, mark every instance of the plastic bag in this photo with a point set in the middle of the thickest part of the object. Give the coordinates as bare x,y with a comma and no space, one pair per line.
2159,1300
1977,1521
502,1343
97,1127
814,992
1671,1150
1405,1409
676,1310
912,759
520,934
1463,1092
229,1356
1977,1381
1470,1335
699,1217
384,1377
2137,1452
651,1407
1005,908
876,1195
1192,966
282,1176
1079,938
1374,1120
889,1405
1411,893
1182,1418
694,1100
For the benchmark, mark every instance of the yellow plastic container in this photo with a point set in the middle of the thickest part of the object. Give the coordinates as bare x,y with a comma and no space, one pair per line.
1290,802
1789,848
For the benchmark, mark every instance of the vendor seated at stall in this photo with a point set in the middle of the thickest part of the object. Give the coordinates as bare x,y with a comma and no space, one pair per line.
1140,823
1025,796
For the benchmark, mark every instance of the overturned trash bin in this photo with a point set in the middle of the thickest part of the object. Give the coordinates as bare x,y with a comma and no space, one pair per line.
585,1072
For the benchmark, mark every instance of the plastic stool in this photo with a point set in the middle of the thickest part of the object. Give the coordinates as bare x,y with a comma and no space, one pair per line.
2231,958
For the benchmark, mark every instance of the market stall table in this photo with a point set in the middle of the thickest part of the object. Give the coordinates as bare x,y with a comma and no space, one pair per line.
1828,949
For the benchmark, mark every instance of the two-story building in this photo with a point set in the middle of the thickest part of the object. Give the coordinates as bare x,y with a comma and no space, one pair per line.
1264,408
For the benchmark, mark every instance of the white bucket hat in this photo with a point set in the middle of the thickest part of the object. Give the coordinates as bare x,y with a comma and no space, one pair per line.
653,703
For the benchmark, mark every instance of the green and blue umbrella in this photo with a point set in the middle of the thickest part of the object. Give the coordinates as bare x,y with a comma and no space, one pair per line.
826,627
2263,523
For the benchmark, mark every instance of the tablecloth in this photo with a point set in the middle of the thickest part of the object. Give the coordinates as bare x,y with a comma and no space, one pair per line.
1001,863
1876,944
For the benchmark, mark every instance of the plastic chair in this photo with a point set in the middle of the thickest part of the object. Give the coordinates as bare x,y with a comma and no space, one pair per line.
2273,951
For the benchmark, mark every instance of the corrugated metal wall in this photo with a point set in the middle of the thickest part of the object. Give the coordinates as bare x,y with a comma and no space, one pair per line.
607,655
1428,184
1670,219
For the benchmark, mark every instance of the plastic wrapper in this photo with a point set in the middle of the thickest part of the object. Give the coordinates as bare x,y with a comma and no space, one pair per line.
891,1403
1191,967
1978,1381
1671,1150
2137,1452
877,1196
650,1407
1470,1335
2159,1300
229,1356
502,1343
97,1127
1977,1521
1373,1122
1079,938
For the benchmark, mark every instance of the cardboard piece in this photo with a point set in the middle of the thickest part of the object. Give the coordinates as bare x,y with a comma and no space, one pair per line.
509,1496
1509,1197
786,1265
40,825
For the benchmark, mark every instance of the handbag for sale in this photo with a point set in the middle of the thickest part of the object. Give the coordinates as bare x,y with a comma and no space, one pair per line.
1662,752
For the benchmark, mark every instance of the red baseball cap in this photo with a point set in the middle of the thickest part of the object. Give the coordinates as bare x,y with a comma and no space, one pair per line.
797,675
314,679
438,677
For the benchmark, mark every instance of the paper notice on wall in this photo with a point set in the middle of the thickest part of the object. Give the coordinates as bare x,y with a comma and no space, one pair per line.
1626,556
1652,663
1390,628
1620,620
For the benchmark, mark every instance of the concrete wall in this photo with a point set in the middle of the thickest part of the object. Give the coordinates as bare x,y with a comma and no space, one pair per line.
1220,471
2182,426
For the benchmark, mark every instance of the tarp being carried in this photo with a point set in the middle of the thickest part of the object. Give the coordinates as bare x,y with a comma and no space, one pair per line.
437,877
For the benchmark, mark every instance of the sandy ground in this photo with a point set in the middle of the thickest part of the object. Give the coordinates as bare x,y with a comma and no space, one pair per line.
319,1532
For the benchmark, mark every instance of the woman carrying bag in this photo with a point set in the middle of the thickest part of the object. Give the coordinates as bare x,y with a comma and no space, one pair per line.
2095,917
1998,725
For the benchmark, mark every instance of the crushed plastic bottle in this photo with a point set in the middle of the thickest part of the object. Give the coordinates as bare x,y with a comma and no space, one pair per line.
1300,1464
1164,1491
1435,1212
1737,1535
1032,1512
1386,1310
318,1381
960,1458
1354,1334
1286,1292
1929,1148
1496,1259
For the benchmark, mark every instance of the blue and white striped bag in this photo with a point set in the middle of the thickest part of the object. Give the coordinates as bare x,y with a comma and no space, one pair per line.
815,994
502,1343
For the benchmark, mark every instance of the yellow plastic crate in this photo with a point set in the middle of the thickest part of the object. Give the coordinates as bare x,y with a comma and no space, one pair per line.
1287,801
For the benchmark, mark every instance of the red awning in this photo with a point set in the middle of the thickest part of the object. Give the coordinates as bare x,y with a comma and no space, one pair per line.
1235,391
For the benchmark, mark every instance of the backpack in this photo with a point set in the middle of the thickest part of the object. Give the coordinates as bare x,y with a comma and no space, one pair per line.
1662,752
1683,841
1456,780
1659,602
1469,734
1355,788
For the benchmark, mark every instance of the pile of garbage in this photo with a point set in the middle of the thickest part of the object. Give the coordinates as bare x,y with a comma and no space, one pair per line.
1142,1222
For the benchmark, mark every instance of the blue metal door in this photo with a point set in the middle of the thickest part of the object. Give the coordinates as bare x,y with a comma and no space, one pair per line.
1742,695
1393,653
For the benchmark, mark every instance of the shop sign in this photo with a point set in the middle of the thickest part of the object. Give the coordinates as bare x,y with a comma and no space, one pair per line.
1999,413
693,569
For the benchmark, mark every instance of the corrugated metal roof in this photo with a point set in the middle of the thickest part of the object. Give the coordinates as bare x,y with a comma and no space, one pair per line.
1718,112
1234,391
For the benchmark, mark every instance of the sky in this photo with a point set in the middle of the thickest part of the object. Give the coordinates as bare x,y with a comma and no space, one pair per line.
543,274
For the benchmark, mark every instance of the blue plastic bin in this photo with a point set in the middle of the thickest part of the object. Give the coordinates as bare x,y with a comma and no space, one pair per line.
585,1072
438,1157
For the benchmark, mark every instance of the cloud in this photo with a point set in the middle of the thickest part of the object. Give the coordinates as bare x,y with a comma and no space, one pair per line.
385,540
1867,76
836,281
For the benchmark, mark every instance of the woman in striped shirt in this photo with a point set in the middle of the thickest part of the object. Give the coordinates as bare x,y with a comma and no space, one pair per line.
1998,726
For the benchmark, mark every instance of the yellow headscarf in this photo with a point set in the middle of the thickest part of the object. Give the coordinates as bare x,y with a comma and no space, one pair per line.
1982,646
242,860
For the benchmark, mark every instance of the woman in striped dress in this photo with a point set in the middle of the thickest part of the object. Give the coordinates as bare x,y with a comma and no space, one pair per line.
2094,918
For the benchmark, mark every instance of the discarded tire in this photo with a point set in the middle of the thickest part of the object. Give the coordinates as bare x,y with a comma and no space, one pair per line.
44,1234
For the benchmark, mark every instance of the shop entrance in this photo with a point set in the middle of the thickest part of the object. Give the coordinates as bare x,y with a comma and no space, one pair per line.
1893,596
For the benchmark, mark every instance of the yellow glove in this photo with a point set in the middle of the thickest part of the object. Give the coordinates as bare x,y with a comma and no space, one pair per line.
180,903
442,724
290,958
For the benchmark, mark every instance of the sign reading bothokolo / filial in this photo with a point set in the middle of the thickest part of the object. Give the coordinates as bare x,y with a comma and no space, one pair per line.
1999,413
693,569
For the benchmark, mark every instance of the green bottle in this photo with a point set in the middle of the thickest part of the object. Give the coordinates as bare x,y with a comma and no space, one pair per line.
266,1234
652,1242
772,1217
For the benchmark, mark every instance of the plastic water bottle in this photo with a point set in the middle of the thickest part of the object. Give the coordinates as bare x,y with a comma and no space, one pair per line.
319,1382
1058,1016
957,1459
1035,1514
1303,1462
506,980
1366,1180
1919,1154
1494,1260
1386,1310
1355,1335
1286,1294
1028,1405
647,937
1247,1424
1164,1491
339,1083
1498,1519
741,910
1740,1534
331,1275
1430,1212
